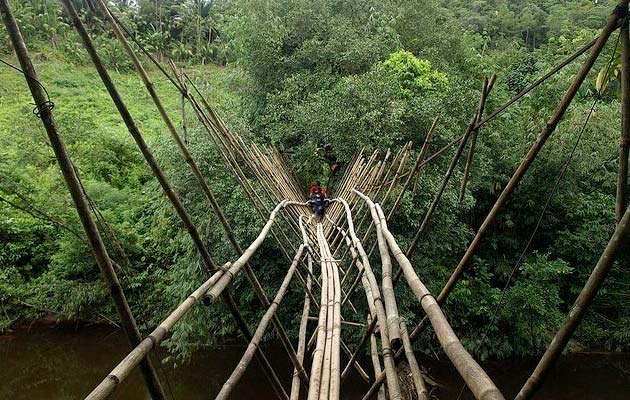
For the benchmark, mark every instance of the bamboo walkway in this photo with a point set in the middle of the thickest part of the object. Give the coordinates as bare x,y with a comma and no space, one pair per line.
332,259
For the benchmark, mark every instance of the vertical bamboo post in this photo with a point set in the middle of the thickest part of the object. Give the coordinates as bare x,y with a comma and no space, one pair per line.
418,381
376,363
473,142
449,172
586,296
72,181
624,147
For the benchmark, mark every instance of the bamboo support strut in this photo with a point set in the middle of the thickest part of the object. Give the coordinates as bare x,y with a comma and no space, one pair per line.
473,138
74,186
620,12
260,331
618,240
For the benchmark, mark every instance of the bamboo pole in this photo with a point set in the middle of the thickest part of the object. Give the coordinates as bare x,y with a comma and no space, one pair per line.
227,278
624,147
391,308
449,172
473,375
238,372
418,381
423,152
74,186
573,319
376,363
538,82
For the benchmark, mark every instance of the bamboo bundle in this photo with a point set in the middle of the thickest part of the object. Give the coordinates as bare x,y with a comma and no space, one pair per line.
473,375
295,383
260,331
330,381
318,354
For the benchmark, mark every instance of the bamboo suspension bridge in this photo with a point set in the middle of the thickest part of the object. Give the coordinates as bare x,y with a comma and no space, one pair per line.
330,261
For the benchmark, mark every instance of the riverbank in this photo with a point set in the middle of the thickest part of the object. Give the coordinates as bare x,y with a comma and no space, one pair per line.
66,362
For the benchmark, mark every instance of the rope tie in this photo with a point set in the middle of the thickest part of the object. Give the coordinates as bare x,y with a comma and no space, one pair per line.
47,105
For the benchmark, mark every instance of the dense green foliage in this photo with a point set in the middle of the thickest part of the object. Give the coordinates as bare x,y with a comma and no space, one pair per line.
321,82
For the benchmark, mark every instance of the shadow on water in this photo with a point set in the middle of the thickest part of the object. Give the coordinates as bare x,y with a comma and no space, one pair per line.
62,363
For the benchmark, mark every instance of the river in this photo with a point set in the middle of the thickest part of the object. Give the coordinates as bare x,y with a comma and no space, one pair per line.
56,363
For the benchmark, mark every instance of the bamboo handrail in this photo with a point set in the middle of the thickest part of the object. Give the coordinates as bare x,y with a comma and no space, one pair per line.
473,375
140,352
372,288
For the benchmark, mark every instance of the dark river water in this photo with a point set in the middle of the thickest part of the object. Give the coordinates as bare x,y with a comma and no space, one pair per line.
63,363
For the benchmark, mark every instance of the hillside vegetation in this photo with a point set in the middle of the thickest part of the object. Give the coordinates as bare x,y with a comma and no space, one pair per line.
321,81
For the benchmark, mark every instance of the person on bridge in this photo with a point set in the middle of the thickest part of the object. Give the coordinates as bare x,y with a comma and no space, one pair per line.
318,199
